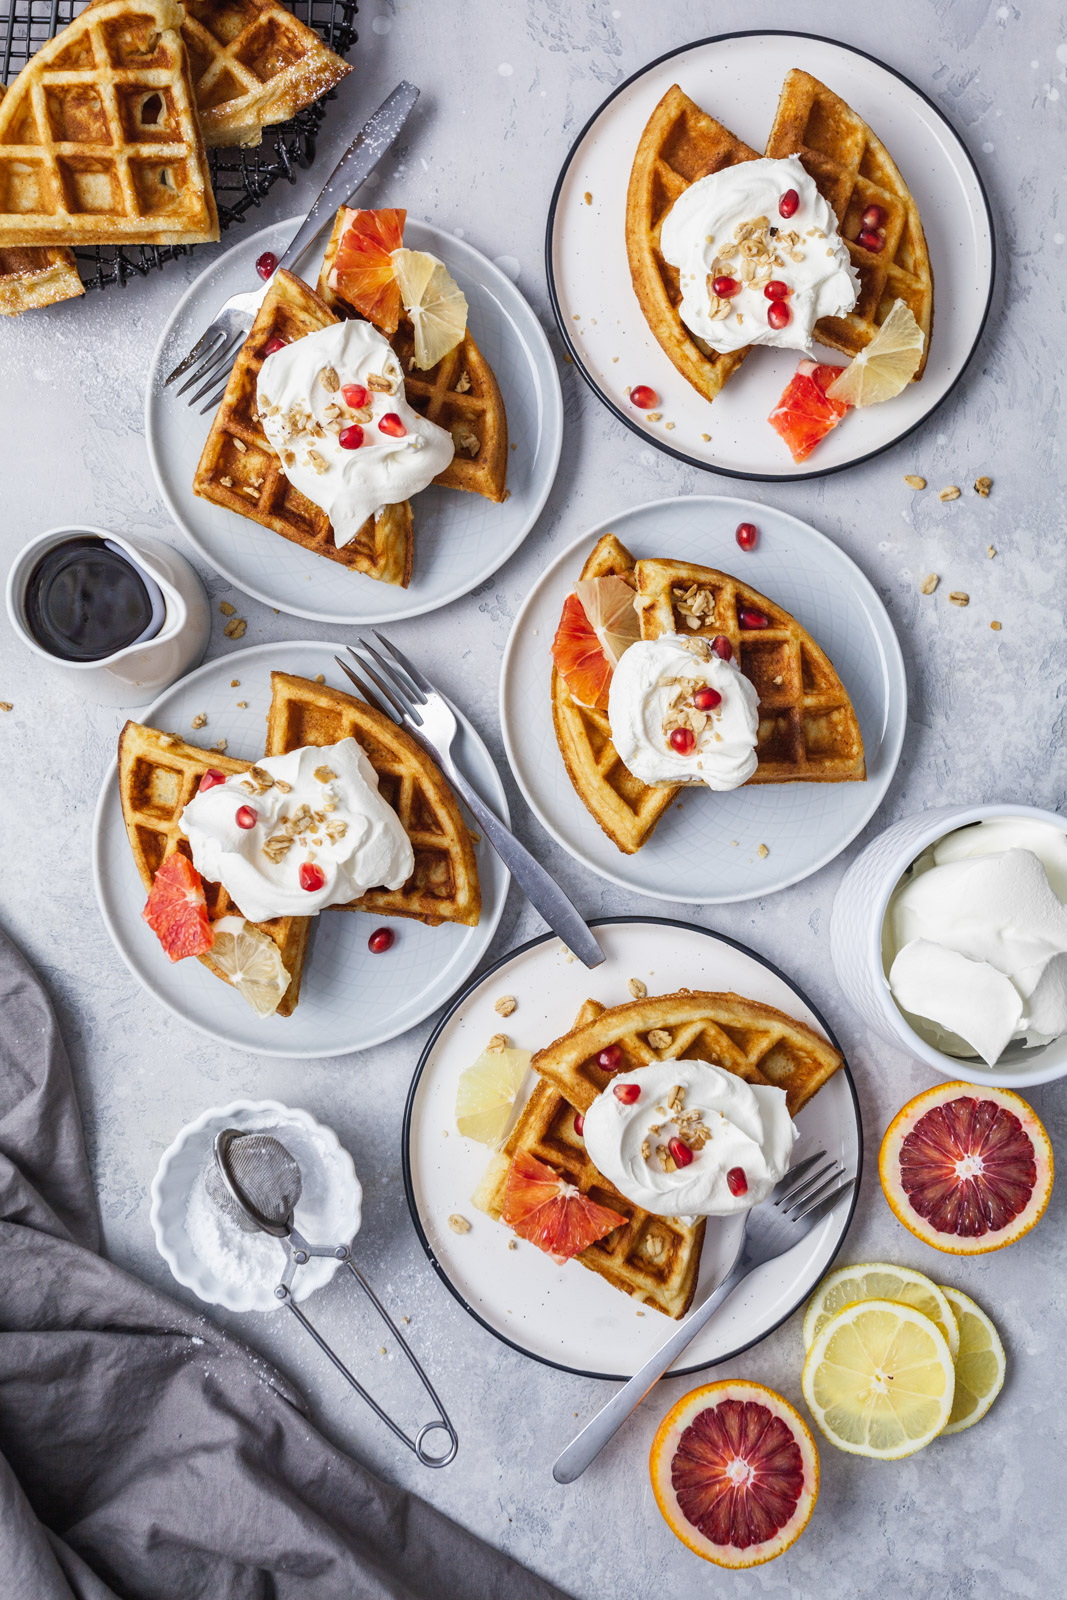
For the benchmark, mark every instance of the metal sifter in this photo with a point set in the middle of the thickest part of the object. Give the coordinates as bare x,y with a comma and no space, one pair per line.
257,1183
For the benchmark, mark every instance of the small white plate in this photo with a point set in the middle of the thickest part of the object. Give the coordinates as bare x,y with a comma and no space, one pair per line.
567,1316
705,848
460,539
737,78
349,998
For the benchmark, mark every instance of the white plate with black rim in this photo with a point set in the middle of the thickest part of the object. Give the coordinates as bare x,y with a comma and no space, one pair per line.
737,79
460,539
706,849
350,999
567,1316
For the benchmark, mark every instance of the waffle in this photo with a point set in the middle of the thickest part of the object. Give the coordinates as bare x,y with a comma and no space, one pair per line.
158,775
36,276
444,884
99,137
460,394
654,1259
680,144
852,169
239,469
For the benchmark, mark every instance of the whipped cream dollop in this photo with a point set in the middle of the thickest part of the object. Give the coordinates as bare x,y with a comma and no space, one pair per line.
731,1127
651,694
975,938
301,401
728,225
320,833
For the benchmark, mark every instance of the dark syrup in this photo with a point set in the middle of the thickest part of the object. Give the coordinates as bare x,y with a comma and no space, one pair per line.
85,601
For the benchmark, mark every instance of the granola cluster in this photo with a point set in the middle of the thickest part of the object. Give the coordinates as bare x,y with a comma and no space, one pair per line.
694,605
757,252
690,1125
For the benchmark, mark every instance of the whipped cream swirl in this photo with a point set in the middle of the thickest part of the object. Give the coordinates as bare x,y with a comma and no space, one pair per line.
318,808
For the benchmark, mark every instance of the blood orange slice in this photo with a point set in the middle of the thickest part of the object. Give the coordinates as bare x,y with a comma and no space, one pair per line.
805,413
363,272
176,910
967,1170
551,1213
598,623
735,1473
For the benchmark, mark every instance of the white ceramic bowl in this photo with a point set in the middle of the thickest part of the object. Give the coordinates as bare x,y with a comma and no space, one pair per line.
856,946
178,1171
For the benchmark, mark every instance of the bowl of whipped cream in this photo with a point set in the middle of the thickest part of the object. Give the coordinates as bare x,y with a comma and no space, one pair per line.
949,936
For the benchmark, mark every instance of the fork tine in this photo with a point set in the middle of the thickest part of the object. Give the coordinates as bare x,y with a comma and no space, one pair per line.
400,709
795,1174
802,1206
409,666
822,1208
210,358
195,353
393,677
367,693
215,399
800,1190
219,373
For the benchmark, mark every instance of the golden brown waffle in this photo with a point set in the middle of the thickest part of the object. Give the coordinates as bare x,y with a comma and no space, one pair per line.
239,469
36,276
680,144
757,1042
99,137
444,884
852,169
460,394
654,1259
158,775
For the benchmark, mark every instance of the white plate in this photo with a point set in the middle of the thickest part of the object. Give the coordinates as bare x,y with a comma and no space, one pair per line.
692,857
349,999
737,78
567,1316
460,539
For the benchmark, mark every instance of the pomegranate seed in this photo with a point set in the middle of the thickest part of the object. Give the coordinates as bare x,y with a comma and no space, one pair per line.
610,1059
707,699
683,740
725,287
643,397
627,1093
871,241
311,876
736,1181
392,425
722,647
753,619
579,1123
776,289
247,816
787,205
350,438
355,395
381,941
779,314
266,264
211,777
274,345
747,535
874,217
681,1152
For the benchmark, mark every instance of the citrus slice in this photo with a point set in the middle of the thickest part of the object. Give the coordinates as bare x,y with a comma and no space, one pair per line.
579,657
252,962
363,272
885,366
435,303
805,412
551,1213
608,604
879,1280
967,1170
879,1380
176,910
980,1364
486,1093
735,1473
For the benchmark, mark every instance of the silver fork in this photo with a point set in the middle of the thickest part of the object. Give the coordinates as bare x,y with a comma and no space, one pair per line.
776,1226
401,692
216,350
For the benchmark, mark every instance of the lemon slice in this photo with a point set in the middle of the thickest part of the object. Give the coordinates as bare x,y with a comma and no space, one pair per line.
980,1364
486,1093
435,303
887,365
252,962
879,1380
879,1280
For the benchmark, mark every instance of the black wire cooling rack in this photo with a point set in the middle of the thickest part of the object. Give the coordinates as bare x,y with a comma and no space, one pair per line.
241,177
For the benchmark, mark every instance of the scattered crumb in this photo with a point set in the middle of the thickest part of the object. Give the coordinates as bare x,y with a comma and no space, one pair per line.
458,1224
950,492
637,988
614,361
235,628
219,745
990,551
226,608
930,583
499,1041
639,1313
242,705
653,416
514,446
706,437
235,683
405,1319
444,1133
6,705
959,597
568,359
588,198
982,486
763,852
668,426
320,677
734,843
995,626
382,1350
513,1244
505,1005
200,720
913,481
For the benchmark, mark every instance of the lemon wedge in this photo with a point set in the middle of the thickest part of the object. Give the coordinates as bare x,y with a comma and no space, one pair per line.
252,962
486,1093
879,1380
887,365
435,303
980,1364
879,1280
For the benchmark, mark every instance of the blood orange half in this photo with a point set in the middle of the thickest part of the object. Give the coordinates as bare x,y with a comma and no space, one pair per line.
966,1169
551,1213
805,413
363,271
176,910
735,1473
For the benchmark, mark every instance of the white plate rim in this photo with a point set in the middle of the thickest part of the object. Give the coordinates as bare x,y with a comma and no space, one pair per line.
409,1108
894,665
654,439
548,374
486,929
